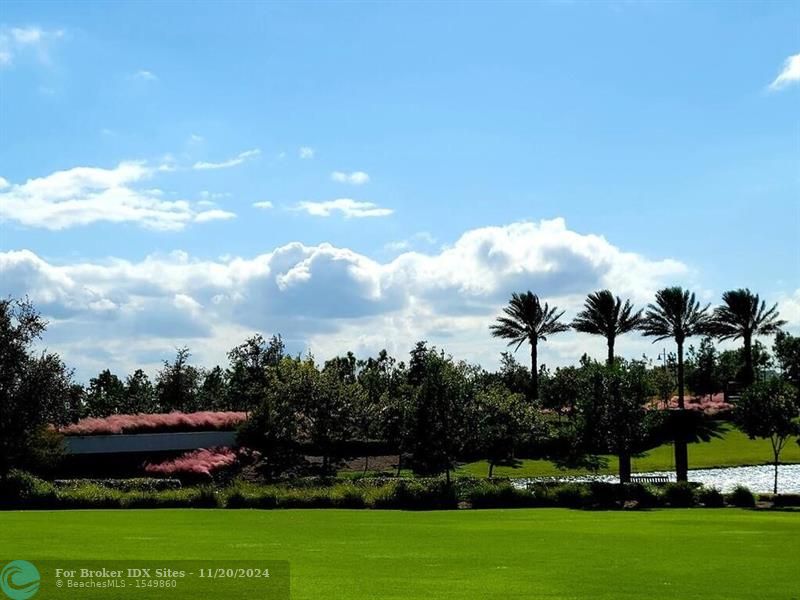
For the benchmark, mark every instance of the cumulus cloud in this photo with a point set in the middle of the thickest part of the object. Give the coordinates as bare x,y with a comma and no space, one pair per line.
305,152
326,298
84,195
231,162
19,41
354,178
264,204
350,209
790,74
789,307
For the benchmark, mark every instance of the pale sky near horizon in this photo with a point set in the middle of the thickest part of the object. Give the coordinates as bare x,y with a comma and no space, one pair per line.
357,176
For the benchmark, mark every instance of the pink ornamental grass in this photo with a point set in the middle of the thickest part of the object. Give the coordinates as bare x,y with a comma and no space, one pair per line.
153,423
198,462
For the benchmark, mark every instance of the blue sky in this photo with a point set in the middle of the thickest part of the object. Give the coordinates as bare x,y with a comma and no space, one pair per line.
419,160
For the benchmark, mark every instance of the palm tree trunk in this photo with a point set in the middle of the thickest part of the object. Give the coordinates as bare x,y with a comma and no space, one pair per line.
749,373
624,467
610,351
534,372
681,451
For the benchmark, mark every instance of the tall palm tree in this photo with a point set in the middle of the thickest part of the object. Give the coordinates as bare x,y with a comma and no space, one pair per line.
605,315
744,315
526,320
676,315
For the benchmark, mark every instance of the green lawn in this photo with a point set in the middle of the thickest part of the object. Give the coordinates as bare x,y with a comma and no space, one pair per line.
537,553
733,449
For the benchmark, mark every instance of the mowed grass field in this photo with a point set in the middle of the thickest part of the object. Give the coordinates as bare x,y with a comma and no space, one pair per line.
733,449
532,553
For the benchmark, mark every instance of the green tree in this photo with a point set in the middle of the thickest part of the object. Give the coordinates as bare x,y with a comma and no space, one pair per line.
787,355
526,320
744,315
612,412
606,315
139,394
771,410
35,391
105,395
439,393
213,392
249,371
502,423
703,370
273,427
676,315
178,384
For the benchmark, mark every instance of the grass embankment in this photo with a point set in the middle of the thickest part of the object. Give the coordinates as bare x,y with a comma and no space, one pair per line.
540,553
732,450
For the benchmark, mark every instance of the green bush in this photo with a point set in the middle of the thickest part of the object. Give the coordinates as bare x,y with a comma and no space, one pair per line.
679,495
433,495
134,484
786,500
742,497
710,497
571,495
499,495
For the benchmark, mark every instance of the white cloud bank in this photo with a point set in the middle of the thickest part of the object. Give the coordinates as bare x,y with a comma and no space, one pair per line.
790,74
127,314
84,195
347,207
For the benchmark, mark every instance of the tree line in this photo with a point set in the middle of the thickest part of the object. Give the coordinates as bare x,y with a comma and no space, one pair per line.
433,411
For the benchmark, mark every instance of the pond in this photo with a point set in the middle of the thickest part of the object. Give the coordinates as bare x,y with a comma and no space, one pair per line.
758,478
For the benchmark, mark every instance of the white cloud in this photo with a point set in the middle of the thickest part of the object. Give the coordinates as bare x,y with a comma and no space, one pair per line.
214,215
790,74
306,152
144,75
19,41
347,207
354,178
266,204
329,299
84,195
789,307
231,162
196,139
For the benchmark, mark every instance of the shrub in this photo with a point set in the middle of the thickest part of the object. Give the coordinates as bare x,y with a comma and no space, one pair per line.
434,495
487,494
20,489
786,500
742,497
644,496
710,497
346,495
571,495
134,484
679,495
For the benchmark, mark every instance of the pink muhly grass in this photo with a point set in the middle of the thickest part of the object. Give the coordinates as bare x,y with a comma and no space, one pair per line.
197,462
174,421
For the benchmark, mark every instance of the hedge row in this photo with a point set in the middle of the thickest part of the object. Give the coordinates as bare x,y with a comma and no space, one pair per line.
23,491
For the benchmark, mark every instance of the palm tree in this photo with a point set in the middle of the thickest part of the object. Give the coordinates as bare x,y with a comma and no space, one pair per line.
743,315
527,320
605,315
676,315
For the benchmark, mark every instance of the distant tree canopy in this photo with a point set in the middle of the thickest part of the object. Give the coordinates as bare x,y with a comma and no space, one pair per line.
36,389
431,411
